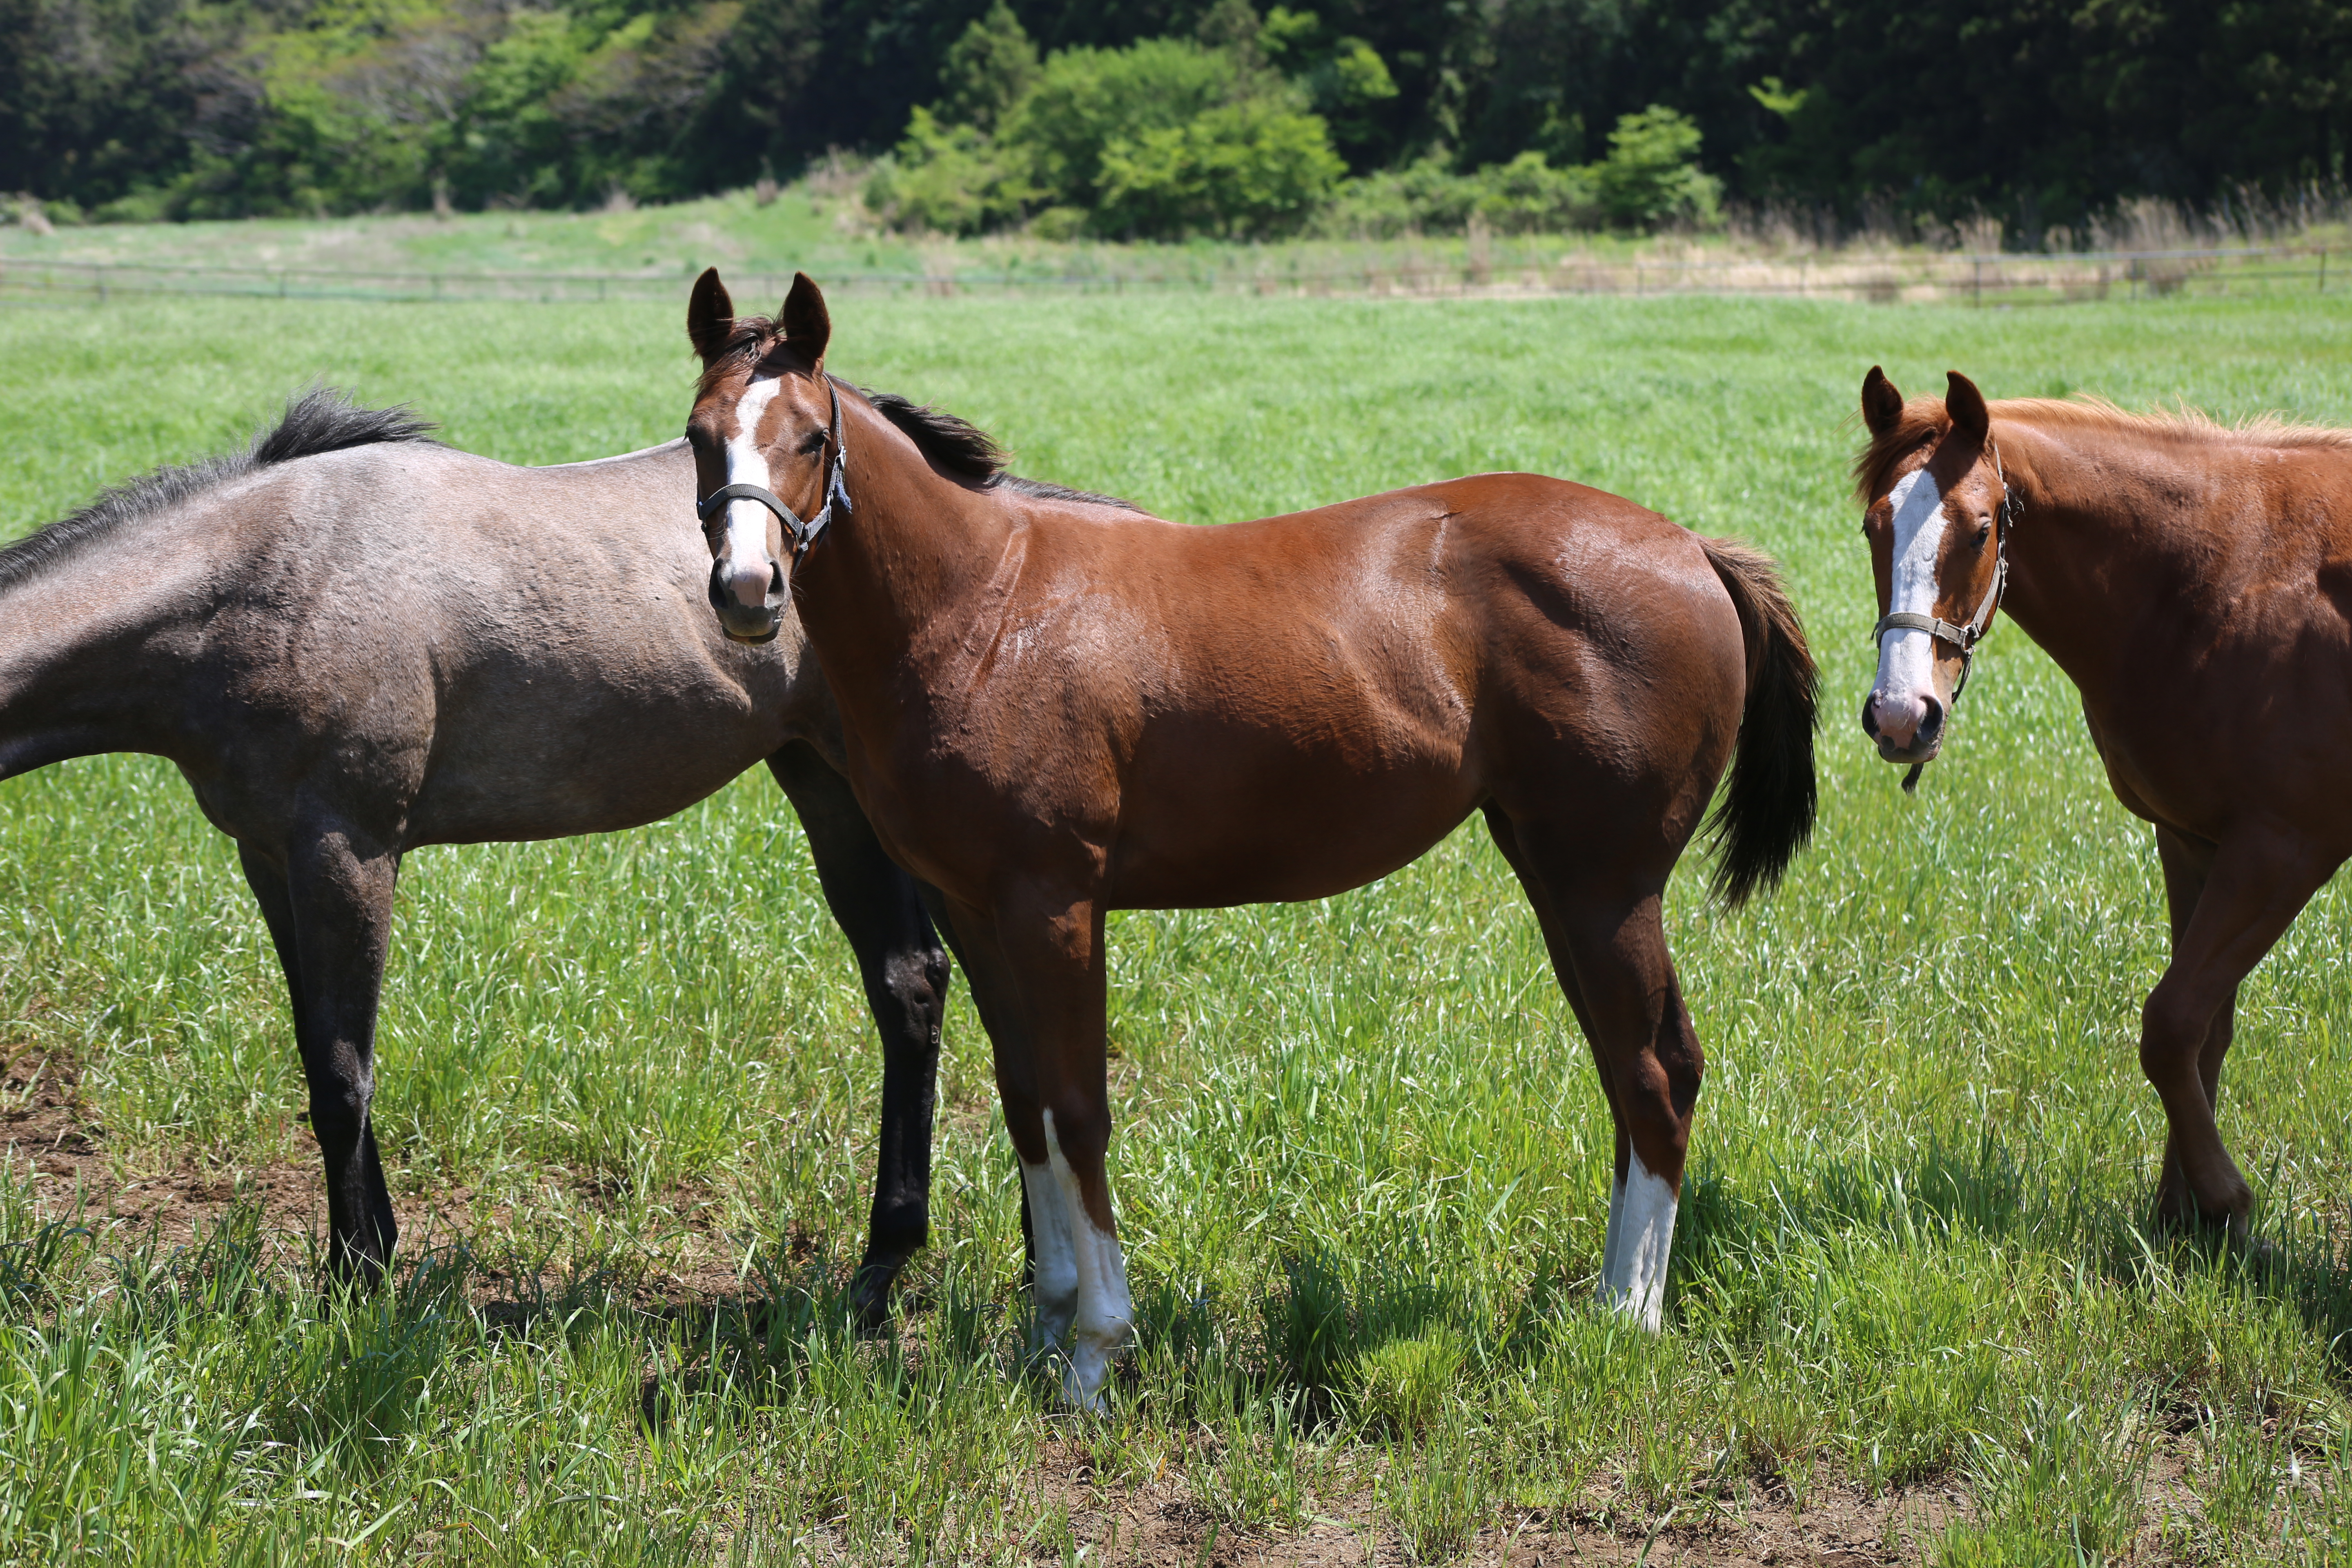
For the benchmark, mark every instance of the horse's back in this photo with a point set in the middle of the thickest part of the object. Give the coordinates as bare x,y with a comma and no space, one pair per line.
499,652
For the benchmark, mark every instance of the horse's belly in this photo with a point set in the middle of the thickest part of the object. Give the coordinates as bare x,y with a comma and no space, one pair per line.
569,778
1279,844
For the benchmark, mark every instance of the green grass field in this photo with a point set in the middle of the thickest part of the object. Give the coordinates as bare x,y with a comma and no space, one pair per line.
1361,1167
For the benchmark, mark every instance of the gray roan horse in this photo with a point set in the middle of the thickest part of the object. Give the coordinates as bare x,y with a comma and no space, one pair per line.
353,640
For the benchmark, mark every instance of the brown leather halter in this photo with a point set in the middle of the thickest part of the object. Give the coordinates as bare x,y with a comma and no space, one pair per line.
803,533
1964,638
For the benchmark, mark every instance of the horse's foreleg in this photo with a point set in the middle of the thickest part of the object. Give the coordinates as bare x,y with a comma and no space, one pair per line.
995,1016
1052,949
2253,888
1051,1260
328,907
881,909
1608,942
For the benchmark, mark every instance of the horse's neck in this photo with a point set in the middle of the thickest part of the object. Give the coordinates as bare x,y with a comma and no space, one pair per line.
91,657
2099,535
917,561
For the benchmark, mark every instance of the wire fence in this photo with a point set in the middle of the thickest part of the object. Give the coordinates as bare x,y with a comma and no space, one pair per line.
1484,268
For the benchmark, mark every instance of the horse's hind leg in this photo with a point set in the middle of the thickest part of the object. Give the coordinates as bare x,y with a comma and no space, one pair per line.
879,907
2254,885
2185,861
1506,840
328,907
1603,925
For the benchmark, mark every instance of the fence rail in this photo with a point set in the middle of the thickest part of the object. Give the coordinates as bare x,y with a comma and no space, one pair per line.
1485,267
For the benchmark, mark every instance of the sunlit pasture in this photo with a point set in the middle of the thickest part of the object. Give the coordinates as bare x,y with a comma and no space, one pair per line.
629,1087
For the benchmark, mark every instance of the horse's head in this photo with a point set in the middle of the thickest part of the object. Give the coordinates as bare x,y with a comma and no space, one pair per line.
767,454
1934,500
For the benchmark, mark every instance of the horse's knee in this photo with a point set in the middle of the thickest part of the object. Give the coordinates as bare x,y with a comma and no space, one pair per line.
913,985
1078,1134
2173,1027
339,1118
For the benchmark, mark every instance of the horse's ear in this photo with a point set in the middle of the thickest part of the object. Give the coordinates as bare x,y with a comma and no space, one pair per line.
709,316
807,327
1882,406
1966,407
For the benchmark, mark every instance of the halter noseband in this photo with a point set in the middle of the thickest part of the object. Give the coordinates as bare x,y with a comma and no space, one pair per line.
1963,638
803,533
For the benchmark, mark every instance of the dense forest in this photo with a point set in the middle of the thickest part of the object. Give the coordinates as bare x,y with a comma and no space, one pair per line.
1171,117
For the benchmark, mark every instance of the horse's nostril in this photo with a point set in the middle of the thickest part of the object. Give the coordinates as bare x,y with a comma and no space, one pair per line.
1870,716
1932,725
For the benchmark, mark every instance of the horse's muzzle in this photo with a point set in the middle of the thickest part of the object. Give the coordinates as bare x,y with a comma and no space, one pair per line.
1907,729
744,621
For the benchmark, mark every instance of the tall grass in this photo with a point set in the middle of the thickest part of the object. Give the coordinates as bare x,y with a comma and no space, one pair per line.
1362,1167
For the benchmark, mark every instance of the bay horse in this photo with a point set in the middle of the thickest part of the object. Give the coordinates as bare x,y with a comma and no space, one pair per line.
1054,706
2195,582
355,641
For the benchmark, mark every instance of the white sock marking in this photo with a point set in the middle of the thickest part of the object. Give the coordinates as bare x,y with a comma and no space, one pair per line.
1055,1286
1635,1280
1907,659
1105,1313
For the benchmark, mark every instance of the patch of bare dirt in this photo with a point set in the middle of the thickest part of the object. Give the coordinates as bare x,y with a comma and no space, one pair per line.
76,1172
1162,1524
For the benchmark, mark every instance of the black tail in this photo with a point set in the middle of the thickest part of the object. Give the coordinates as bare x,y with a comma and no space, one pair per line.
1767,812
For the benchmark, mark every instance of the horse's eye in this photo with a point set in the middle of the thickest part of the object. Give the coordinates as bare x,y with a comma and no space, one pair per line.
1984,529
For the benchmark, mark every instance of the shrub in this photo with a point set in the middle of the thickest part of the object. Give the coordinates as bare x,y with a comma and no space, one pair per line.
1526,196
949,179
1243,170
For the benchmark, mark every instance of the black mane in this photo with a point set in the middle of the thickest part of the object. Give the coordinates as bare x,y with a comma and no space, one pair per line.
320,420
966,450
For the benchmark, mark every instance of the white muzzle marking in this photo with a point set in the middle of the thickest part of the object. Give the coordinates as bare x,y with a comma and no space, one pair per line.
748,564
1906,658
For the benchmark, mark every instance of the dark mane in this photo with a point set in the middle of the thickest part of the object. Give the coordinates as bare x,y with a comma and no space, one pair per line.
958,446
964,450
320,420
1924,419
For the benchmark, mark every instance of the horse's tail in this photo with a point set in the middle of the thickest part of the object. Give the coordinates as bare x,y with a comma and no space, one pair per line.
1767,814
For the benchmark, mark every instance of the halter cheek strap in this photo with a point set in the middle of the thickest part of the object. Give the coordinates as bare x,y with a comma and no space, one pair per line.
1964,638
803,533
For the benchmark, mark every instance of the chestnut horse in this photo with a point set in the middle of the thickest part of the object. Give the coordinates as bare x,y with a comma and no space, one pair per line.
2195,582
1054,707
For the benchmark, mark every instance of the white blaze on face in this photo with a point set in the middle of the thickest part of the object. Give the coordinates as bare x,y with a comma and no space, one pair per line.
1641,1218
1907,659
745,550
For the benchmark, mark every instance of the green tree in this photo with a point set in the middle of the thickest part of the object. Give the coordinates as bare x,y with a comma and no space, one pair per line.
989,69
1652,174
1088,99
